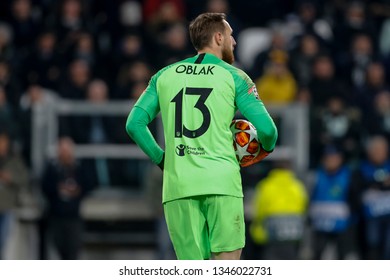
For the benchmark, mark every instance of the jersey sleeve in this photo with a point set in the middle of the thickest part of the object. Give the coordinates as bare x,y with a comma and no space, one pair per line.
250,105
149,99
143,112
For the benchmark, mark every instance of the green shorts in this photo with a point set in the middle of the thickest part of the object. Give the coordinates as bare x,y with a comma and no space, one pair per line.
201,225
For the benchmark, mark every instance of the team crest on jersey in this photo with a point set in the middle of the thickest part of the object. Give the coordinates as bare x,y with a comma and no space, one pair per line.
253,90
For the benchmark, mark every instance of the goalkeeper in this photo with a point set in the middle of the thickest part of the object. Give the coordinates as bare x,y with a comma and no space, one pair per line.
198,98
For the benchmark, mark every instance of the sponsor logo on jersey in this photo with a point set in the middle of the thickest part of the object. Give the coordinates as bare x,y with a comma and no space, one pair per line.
195,69
253,90
181,150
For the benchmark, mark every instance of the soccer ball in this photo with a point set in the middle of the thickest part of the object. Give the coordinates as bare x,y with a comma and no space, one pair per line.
245,142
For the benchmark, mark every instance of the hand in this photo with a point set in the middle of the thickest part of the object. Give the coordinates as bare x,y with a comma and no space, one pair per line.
262,154
69,189
161,164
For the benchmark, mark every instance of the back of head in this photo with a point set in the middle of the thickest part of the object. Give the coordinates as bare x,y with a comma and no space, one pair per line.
204,26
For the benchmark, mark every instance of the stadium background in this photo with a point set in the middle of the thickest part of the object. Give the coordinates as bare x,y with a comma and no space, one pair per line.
329,58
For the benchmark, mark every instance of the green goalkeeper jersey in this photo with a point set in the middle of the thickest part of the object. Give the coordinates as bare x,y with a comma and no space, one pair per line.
198,98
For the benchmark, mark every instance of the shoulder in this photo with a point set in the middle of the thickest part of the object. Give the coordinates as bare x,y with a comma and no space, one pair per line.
236,72
241,79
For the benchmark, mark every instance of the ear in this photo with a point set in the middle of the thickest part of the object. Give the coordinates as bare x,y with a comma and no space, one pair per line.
218,38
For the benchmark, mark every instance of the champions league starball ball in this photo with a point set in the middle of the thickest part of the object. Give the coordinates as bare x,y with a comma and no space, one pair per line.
245,142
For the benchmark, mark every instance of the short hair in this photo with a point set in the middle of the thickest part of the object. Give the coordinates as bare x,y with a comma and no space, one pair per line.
204,26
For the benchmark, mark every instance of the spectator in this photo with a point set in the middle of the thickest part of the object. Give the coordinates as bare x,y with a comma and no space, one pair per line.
379,11
158,13
307,21
375,177
65,184
95,128
277,85
130,49
174,45
131,14
6,49
35,96
333,206
354,64
13,178
158,16
302,59
10,84
378,122
384,41
24,25
375,82
44,62
324,84
77,80
279,208
85,50
69,22
129,75
8,116
353,23
336,124
262,59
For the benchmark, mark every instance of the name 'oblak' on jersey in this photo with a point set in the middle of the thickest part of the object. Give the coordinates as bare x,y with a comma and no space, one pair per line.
195,69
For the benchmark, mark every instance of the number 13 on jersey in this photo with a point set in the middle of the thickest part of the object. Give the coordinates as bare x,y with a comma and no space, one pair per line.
180,128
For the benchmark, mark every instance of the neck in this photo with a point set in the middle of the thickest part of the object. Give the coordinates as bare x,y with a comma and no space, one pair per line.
211,51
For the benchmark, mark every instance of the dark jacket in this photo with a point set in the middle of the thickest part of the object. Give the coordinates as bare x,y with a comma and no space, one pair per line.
64,188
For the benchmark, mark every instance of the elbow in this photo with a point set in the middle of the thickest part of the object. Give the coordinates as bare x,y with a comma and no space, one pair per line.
136,122
129,131
130,127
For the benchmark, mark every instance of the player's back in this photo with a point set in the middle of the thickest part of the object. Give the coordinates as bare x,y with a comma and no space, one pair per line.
197,103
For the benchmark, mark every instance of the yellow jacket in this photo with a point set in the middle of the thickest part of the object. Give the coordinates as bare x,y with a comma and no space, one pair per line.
280,193
278,90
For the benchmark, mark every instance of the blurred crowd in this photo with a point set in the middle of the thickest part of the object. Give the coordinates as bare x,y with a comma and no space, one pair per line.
332,55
